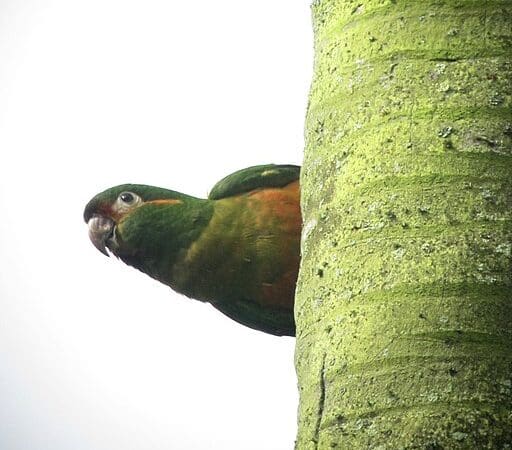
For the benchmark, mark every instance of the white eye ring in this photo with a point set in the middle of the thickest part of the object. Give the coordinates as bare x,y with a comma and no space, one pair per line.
127,200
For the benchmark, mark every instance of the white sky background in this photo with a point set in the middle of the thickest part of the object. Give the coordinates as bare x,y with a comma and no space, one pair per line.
93,354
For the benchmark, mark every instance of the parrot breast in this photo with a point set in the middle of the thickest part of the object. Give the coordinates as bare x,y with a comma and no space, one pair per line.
245,262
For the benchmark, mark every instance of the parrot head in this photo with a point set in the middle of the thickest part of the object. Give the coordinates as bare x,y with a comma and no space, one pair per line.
116,216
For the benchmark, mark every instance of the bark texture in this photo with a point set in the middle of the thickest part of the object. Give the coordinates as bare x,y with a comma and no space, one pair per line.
404,300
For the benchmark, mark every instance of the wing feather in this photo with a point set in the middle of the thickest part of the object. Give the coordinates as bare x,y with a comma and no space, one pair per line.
256,177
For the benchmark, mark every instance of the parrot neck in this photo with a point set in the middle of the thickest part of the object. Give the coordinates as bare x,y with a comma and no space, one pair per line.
162,232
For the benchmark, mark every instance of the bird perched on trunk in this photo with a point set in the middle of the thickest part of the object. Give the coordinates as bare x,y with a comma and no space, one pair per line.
239,249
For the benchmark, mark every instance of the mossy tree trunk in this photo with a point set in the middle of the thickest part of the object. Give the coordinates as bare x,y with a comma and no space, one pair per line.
404,300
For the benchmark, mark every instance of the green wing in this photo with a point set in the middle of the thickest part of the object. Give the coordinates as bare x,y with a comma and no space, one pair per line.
256,177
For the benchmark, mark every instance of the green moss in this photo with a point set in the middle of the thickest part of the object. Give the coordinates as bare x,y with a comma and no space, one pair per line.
403,303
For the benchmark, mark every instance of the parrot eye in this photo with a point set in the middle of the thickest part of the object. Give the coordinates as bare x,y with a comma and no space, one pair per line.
127,197
126,201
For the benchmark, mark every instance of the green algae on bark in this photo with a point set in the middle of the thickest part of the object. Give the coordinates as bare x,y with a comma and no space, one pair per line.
404,300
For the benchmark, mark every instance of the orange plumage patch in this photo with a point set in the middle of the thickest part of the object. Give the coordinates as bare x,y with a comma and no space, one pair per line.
282,292
282,205
168,201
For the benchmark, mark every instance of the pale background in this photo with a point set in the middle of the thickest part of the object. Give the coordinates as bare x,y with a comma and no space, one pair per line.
93,354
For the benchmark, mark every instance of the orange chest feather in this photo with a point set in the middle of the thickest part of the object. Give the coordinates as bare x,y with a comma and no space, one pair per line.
250,249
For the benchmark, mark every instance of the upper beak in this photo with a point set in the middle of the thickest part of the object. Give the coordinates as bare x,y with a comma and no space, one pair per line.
100,230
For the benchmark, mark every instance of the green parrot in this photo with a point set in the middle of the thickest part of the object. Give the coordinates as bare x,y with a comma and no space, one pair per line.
239,249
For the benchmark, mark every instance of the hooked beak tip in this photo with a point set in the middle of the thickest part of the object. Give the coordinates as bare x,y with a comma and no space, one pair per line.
100,230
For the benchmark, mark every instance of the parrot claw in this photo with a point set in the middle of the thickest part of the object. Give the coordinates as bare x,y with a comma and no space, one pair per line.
100,231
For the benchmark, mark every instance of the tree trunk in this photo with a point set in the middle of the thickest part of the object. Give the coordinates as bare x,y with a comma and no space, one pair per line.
404,300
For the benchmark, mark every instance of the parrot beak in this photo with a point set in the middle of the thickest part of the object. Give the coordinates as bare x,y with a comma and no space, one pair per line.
101,230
